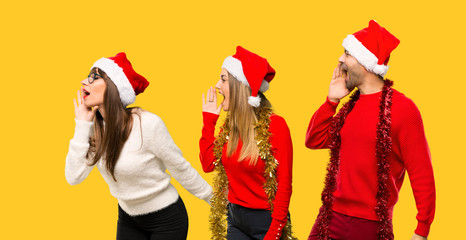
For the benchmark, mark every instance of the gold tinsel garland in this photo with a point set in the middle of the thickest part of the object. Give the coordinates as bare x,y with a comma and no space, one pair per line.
218,210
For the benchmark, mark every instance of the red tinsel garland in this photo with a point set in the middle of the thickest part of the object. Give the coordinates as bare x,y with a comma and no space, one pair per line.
383,149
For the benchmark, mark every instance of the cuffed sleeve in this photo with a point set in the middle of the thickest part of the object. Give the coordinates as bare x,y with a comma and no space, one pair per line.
317,136
206,143
77,167
417,159
283,153
275,229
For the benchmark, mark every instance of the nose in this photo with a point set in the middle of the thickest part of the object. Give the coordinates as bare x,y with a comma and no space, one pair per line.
85,81
217,86
342,58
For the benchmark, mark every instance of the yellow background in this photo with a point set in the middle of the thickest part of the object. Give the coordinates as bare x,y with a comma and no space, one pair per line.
47,48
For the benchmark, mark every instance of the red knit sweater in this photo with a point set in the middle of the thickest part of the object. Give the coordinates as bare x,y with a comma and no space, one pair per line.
357,179
245,182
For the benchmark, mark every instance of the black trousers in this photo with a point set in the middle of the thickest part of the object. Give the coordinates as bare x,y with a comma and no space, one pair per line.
170,223
246,223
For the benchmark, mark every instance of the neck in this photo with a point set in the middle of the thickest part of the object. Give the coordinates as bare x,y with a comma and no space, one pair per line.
372,83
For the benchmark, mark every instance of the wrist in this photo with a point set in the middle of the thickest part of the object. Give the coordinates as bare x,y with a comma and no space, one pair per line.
84,119
334,100
211,112
418,237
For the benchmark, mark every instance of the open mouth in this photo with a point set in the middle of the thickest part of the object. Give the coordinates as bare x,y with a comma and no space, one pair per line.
222,96
85,93
344,71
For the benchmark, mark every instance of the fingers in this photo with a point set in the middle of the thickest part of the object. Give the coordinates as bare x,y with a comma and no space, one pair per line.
94,110
75,104
208,95
215,95
211,94
338,73
209,102
80,97
77,95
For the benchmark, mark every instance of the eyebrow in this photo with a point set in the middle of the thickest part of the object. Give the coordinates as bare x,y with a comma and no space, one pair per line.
223,76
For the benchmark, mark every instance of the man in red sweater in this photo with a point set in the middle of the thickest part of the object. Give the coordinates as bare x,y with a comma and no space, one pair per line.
374,139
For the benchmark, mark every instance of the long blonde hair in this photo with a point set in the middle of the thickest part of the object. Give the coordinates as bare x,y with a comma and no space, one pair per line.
242,118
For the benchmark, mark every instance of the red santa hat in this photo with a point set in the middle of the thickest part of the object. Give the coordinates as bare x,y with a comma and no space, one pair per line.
372,47
252,70
121,72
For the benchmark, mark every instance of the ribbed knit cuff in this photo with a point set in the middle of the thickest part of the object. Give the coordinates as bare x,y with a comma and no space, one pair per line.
82,131
275,229
422,229
207,199
209,119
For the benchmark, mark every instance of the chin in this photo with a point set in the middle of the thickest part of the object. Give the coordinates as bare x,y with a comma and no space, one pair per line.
350,85
225,107
89,104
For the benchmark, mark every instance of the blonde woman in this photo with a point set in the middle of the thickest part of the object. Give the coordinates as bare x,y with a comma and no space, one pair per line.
252,155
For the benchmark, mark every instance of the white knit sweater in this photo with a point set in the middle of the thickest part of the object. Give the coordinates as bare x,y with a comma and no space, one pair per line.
142,185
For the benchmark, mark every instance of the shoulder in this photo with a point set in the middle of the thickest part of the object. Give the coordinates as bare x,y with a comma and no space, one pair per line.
403,104
404,110
277,123
280,133
277,119
148,119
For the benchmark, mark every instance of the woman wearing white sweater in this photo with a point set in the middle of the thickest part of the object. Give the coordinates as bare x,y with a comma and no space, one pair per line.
132,149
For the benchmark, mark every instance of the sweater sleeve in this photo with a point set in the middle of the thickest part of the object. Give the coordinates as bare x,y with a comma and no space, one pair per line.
416,156
76,166
206,143
166,150
317,136
283,152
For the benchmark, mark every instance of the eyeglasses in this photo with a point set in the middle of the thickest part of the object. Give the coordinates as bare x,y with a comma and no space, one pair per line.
92,77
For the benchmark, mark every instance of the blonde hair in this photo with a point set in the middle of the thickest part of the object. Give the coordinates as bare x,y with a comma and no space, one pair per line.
242,119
